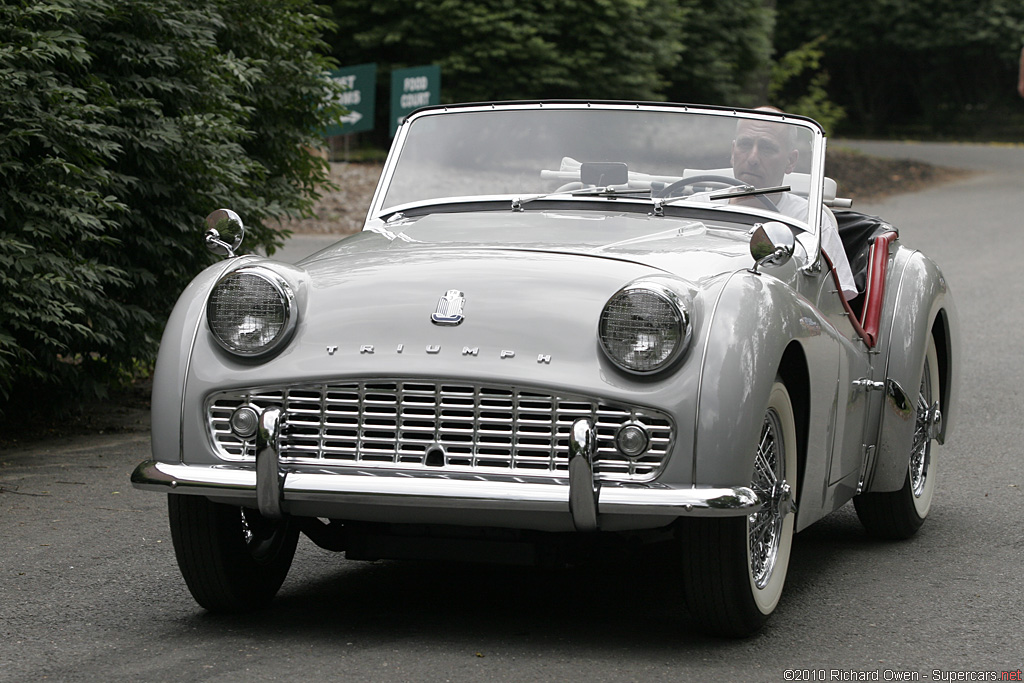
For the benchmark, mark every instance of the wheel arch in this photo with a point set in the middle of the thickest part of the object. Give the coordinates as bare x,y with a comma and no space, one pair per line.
943,332
794,372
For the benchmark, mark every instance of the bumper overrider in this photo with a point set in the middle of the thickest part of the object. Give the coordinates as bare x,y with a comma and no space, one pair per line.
275,488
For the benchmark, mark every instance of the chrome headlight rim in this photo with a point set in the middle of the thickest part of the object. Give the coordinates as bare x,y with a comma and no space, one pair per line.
287,299
681,305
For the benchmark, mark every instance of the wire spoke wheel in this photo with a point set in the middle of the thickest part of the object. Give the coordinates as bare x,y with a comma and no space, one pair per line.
735,567
920,454
765,526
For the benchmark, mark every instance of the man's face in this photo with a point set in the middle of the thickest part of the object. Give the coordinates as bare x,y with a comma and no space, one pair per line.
762,153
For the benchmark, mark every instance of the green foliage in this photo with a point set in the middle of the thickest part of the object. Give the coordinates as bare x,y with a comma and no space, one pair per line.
915,66
798,85
124,123
680,50
726,53
500,50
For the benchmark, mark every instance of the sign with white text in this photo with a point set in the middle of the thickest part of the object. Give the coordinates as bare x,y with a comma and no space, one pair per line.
411,89
359,97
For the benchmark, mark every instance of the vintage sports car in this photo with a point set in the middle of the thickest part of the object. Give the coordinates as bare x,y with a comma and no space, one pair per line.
563,324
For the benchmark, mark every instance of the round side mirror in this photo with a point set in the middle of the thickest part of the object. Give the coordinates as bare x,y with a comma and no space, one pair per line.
224,232
771,243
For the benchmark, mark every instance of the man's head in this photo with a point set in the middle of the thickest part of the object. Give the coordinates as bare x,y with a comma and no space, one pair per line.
763,151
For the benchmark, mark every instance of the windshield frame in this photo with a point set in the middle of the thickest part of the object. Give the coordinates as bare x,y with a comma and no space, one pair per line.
811,229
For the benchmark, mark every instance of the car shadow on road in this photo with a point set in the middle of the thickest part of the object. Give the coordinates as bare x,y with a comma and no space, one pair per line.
632,600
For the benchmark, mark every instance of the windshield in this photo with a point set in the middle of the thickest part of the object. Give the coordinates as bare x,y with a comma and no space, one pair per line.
666,156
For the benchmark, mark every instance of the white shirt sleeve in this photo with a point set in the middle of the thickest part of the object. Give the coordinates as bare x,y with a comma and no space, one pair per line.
833,246
795,206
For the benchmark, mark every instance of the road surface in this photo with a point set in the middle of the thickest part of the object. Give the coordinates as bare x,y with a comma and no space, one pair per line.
89,589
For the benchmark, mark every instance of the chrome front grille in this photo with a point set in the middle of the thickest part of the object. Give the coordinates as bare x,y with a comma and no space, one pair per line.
411,424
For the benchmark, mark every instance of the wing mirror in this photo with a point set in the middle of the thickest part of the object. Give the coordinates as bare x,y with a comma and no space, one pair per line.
771,244
224,232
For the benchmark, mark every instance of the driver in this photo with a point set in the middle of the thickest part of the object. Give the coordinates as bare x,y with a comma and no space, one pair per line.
762,154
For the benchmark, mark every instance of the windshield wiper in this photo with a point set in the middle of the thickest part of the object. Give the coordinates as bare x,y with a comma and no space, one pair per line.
748,191
740,191
517,203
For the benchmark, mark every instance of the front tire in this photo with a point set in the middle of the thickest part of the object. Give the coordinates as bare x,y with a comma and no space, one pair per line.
899,514
232,558
735,568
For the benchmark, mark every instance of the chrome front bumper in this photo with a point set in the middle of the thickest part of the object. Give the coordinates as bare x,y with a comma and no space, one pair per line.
276,488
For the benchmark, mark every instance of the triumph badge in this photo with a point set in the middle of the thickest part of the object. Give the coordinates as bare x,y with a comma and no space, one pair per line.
449,308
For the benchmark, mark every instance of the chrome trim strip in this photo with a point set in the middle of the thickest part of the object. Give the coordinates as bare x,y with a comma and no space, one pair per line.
445,491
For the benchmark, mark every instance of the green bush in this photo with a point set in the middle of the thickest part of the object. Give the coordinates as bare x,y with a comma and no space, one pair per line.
124,123
799,85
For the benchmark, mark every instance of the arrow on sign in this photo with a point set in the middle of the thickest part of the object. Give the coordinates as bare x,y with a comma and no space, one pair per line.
351,117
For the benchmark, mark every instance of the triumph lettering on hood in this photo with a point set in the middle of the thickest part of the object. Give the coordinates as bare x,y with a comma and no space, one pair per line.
435,349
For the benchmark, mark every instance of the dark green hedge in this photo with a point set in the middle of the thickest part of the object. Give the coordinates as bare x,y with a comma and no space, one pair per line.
123,123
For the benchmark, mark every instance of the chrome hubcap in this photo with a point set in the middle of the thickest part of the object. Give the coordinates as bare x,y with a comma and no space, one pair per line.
928,418
765,525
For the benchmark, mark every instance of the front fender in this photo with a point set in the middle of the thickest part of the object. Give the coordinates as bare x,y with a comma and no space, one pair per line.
756,319
922,306
172,363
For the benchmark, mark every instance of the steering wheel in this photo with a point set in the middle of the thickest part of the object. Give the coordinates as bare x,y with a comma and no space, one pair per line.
721,180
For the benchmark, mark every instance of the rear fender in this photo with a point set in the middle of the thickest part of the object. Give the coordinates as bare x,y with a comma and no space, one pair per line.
922,306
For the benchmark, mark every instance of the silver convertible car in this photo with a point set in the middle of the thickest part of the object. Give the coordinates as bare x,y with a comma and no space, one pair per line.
563,323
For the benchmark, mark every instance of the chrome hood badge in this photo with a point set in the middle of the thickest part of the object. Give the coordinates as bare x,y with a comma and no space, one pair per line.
449,308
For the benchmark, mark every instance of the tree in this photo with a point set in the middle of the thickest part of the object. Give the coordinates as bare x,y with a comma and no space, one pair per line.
917,66
681,50
125,122
726,53
499,49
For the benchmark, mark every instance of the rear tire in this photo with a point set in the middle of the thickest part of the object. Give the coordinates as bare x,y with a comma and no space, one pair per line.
232,558
899,514
735,568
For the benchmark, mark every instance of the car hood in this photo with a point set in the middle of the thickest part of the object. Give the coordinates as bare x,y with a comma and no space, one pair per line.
687,248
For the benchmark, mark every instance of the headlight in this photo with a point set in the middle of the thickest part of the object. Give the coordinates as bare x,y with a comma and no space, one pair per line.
644,327
250,311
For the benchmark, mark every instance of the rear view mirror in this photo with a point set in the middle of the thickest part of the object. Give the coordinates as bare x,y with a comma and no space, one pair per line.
603,173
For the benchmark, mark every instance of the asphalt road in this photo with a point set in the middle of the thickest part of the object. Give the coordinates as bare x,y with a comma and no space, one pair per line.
89,589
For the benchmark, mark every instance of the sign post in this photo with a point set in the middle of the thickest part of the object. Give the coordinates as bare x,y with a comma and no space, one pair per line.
411,89
359,98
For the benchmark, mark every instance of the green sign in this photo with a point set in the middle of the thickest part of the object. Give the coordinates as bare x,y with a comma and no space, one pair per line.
411,89
360,95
